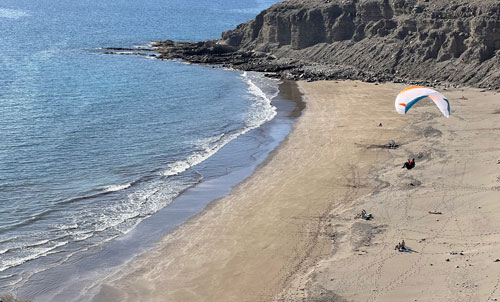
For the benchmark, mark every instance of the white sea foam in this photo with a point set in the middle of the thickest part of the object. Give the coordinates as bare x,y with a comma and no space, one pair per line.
32,254
147,199
176,168
12,13
82,236
209,145
67,227
261,111
38,243
115,188
7,276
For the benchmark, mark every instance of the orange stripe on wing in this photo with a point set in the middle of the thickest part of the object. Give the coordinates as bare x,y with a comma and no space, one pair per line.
411,87
402,104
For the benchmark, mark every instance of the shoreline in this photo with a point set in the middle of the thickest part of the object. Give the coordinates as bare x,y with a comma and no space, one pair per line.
314,246
222,171
287,232
290,106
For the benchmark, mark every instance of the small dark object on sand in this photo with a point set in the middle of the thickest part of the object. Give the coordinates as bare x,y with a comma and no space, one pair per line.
497,260
435,212
410,164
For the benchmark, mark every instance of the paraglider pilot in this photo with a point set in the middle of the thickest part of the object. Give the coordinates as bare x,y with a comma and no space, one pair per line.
410,164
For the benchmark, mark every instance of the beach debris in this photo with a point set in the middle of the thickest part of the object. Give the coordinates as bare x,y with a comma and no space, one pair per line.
497,260
380,124
411,95
435,212
447,259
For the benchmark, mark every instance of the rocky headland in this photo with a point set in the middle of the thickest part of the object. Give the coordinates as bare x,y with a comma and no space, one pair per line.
428,42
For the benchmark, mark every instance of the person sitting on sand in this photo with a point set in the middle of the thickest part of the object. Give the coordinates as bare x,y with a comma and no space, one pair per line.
363,212
400,246
364,215
410,164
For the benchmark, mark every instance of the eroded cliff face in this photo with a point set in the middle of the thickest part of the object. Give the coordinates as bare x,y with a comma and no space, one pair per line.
415,41
453,41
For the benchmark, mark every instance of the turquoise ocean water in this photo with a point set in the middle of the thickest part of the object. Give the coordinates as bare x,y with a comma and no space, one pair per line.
92,145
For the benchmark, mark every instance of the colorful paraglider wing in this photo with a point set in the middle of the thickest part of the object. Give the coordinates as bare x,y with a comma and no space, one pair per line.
411,95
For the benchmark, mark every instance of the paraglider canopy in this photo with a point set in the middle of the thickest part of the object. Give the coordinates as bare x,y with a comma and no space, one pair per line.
411,95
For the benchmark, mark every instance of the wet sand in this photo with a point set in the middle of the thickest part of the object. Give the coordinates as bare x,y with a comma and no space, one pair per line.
288,232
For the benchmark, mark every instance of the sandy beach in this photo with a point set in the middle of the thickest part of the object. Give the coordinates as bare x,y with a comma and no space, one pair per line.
288,232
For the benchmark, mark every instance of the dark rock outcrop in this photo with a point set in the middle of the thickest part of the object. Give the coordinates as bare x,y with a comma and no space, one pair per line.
420,41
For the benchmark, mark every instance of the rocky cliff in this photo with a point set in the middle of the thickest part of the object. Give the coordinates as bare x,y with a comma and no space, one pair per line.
421,41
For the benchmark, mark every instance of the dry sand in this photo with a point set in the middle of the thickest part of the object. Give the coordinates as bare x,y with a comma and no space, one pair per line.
288,233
